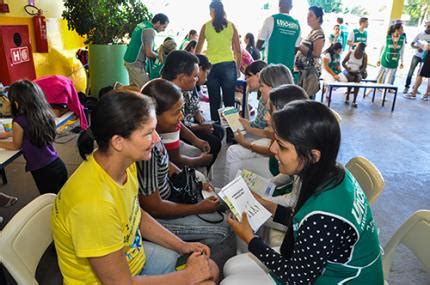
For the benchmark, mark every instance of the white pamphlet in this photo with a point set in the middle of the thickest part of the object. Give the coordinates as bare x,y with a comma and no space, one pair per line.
239,199
258,184
230,116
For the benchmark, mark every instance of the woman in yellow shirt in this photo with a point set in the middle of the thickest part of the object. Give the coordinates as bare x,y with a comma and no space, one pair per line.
101,234
223,51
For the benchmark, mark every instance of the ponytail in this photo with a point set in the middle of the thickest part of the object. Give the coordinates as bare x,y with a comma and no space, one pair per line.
85,143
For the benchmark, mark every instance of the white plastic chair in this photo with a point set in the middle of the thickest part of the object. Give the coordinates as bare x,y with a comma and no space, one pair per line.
367,175
25,238
414,234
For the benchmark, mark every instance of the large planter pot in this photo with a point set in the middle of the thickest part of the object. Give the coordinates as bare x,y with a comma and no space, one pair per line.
106,66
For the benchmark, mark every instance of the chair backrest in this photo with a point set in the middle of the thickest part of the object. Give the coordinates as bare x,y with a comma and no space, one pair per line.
25,238
337,115
367,175
415,234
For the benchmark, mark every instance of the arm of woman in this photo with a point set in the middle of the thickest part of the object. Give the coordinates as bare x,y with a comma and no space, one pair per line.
345,60
189,136
201,41
327,68
113,269
318,45
312,248
204,159
160,208
364,66
17,138
236,49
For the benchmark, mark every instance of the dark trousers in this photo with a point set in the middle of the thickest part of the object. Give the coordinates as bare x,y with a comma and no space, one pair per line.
415,61
222,76
51,178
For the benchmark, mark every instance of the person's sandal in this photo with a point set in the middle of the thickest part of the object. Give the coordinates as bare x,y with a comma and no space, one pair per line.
9,200
425,97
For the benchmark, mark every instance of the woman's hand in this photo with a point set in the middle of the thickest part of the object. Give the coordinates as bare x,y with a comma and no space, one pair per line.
208,205
242,229
207,187
337,77
189,247
245,123
401,66
198,268
203,145
240,138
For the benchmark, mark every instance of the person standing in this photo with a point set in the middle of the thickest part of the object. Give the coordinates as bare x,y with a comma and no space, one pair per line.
281,35
223,51
308,58
359,35
419,54
250,46
343,32
392,54
141,47
336,36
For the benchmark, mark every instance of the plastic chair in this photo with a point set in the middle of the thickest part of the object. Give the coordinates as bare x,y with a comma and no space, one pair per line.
25,238
367,175
414,234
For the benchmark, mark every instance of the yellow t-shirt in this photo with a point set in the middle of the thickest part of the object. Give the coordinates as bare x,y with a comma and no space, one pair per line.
219,44
94,216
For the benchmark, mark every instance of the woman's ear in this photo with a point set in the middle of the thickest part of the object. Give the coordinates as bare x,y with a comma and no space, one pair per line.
316,155
117,143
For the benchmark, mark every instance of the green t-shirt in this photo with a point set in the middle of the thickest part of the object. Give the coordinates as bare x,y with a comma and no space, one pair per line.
282,42
360,37
133,52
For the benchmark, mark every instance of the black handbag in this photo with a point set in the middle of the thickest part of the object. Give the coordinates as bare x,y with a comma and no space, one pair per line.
185,187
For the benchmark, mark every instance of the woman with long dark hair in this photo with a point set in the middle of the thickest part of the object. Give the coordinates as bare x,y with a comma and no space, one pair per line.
250,46
224,53
332,237
101,234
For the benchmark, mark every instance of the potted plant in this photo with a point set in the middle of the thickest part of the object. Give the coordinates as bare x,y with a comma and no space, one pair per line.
106,25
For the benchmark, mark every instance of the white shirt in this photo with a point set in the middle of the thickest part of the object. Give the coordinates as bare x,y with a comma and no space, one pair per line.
421,37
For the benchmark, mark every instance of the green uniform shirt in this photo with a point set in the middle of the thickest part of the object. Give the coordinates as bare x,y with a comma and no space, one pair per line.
282,42
391,54
334,63
136,45
360,37
348,202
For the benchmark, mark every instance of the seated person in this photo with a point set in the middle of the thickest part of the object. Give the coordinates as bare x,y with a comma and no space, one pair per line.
248,147
191,46
155,173
332,236
331,70
181,68
156,64
355,65
102,236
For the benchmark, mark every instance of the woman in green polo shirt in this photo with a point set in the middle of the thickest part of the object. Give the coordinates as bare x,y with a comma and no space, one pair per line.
332,237
391,54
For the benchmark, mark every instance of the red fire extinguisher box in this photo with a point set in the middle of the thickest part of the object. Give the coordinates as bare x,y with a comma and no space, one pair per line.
16,58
